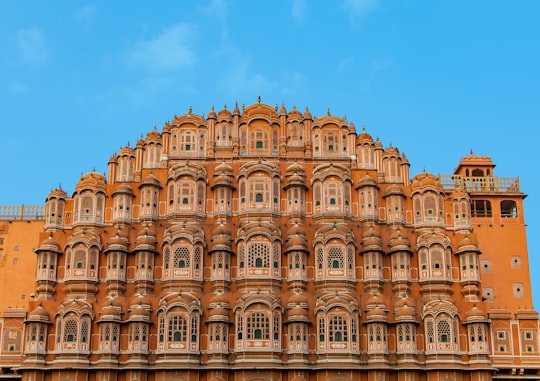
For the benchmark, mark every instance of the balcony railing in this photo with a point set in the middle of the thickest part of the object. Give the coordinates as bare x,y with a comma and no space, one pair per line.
481,184
22,212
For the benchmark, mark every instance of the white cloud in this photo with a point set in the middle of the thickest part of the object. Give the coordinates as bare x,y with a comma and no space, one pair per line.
299,9
359,8
168,51
85,15
31,46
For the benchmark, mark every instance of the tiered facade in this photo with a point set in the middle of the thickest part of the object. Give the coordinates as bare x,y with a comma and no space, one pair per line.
263,244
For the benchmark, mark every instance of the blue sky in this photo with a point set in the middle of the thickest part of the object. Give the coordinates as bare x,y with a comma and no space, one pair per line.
436,79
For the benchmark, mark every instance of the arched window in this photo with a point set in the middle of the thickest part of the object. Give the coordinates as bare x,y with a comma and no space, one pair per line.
441,333
178,330
338,330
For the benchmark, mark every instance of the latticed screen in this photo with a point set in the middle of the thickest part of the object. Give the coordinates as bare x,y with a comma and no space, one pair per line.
258,326
85,330
70,331
259,255
443,331
335,258
337,328
177,329
181,257
197,257
429,331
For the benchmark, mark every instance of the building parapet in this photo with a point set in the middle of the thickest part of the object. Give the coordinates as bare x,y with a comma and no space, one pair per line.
486,184
22,212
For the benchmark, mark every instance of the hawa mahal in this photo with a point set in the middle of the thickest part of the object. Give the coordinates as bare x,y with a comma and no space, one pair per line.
263,244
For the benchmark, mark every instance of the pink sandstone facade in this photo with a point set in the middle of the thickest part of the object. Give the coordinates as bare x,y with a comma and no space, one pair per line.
266,244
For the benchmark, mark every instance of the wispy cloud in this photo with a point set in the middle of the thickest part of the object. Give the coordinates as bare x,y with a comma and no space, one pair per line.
359,8
17,87
378,66
298,9
85,15
345,65
169,51
31,46
216,8
241,79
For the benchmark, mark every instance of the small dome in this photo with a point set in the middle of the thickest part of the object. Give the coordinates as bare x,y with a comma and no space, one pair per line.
371,240
376,314
297,298
405,313
221,242
153,136
57,193
467,245
212,114
39,314
140,299
150,179
236,110
391,151
375,301
126,151
91,180
404,159
475,315
221,238
219,299
146,239
295,114
307,114
124,189
224,114
223,168
425,180
364,137
139,313
223,180
297,312
296,228
296,242
118,242
49,244
221,229
398,242
218,311
295,167
367,180
111,311
297,179
394,189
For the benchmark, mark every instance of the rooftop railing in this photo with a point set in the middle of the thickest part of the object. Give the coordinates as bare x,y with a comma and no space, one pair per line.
22,212
481,184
